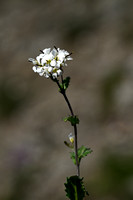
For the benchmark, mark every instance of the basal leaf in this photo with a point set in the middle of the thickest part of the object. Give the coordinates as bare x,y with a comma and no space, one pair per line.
74,188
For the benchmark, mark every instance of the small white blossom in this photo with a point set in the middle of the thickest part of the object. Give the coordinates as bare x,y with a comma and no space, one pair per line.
59,72
34,68
33,61
71,138
50,62
50,69
53,63
46,51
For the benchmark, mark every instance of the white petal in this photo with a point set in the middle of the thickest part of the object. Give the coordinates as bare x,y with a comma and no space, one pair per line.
69,58
48,57
58,63
39,69
53,63
47,50
54,75
41,73
59,72
43,61
54,52
33,61
71,137
34,68
39,58
61,56
46,75
51,56
50,69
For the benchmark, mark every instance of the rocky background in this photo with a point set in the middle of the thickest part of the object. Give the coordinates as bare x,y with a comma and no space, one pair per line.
34,162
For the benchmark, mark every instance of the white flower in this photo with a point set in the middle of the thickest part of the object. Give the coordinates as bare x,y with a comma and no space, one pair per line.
53,63
39,58
33,61
54,52
59,72
50,69
46,51
71,138
50,62
54,75
34,68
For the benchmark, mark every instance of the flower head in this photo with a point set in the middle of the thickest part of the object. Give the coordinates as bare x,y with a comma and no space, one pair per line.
50,62
71,138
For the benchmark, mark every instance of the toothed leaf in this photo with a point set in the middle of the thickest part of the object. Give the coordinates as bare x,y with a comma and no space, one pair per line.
82,152
74,188
73,119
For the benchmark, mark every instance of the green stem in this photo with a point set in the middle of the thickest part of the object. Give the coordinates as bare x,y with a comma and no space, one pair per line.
75,126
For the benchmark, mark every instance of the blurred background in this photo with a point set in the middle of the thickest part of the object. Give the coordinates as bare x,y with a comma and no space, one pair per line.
34,161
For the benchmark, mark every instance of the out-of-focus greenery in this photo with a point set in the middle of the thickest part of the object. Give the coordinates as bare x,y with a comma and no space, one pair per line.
109,85
22,180
114,178
10,99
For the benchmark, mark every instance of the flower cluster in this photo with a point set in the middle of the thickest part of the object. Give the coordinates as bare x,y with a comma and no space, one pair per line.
50,62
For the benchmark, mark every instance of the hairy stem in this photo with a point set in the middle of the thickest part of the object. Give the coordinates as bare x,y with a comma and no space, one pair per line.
75,126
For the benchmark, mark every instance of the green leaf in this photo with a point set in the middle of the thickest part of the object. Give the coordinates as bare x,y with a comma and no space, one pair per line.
74,188
72,156
65,83
82,152
73,119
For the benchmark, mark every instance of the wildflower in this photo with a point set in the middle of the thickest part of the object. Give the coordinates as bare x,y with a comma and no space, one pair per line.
50,62
71,138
